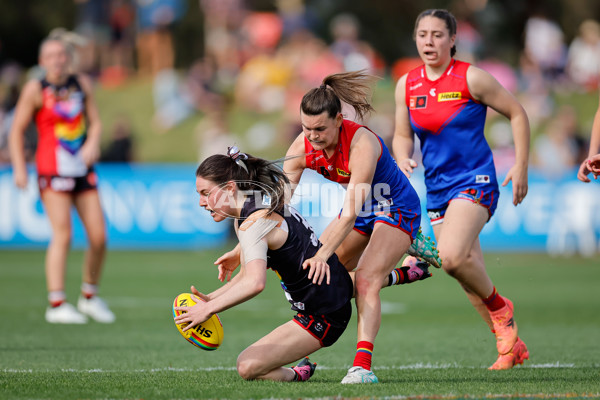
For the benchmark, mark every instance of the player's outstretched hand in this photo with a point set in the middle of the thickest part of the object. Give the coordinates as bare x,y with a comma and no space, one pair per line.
594,165
518,176
407,166
228,263
584,171
589,165
318,270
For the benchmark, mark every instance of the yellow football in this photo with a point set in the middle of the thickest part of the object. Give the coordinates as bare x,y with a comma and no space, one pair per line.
207,335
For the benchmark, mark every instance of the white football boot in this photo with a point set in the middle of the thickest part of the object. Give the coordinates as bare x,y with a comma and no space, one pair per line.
359,375
96,308
64,314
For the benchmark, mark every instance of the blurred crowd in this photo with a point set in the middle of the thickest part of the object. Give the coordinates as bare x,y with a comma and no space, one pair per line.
263,62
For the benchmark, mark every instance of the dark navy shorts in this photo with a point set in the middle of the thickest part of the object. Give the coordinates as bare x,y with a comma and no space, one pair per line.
326,328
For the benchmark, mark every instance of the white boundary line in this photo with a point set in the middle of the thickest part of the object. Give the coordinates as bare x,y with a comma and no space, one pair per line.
556,364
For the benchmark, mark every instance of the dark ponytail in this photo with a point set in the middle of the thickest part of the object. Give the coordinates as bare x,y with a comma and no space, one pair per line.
353,88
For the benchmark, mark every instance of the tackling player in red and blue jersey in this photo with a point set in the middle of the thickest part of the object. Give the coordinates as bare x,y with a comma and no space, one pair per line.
380,217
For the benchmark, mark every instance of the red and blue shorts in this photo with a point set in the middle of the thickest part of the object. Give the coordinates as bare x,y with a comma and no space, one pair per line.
484,195
408,221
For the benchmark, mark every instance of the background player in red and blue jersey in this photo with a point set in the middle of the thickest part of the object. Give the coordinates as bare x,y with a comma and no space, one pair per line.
69,131
444,102
381,213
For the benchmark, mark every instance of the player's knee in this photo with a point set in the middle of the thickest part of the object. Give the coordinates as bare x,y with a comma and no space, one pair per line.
247,369
452,263
61,238
98,242
365,283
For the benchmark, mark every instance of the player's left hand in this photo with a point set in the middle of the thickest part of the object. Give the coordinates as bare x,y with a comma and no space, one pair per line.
518,175
194,315
227,264
319,270
584,170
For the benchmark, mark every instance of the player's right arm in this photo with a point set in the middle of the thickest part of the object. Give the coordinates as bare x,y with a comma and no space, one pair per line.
295,162
248,283
29,101
255,235
592,161
403,142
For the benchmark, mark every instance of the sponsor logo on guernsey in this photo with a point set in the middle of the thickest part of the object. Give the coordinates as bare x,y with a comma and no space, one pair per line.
418,85
62,184
417,102
482,178
449,96
433,215
385,203
341,172
432,92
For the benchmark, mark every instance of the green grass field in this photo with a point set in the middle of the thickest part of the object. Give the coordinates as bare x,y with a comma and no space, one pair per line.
431,344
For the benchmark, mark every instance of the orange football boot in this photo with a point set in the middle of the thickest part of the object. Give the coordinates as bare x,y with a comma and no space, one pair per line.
505,327
517,355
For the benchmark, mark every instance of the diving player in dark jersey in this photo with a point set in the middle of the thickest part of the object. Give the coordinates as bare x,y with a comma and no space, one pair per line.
274,236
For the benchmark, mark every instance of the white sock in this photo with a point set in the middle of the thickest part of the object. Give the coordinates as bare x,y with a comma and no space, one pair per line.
89,290
56,297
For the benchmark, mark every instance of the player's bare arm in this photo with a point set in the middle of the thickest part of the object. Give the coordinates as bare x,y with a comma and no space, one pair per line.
90,151
253,277
364,152
592,163
403,142
29,101
295,162
486,89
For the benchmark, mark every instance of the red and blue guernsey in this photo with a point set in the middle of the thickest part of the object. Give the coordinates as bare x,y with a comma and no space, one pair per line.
392,200
61,129
449,124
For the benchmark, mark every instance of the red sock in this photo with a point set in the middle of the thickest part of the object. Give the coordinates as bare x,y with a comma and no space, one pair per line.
364,353
494,302
56,298
55,304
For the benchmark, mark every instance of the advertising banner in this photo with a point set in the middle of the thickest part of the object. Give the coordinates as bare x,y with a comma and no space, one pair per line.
155,206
